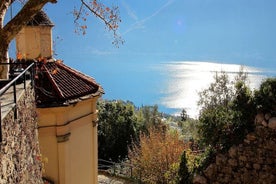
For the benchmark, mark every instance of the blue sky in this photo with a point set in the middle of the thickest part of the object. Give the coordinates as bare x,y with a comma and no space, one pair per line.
227,31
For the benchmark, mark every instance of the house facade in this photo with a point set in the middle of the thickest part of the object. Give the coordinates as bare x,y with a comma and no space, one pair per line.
66,107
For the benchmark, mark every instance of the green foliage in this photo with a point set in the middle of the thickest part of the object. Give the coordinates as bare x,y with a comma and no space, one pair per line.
244,110
227,111
265,97
214,123
117,128
120,123
219,93
184,176
148,116
203,160
189,129
170,174
184,116
225,119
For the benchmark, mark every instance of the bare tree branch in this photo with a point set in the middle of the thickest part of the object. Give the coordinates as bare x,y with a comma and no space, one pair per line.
78,14
109,16
99,15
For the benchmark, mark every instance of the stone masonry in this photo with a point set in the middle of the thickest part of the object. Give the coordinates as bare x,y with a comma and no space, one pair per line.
20,159
252,162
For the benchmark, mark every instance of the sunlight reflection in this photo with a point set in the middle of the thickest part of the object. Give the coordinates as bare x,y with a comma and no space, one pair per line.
185,79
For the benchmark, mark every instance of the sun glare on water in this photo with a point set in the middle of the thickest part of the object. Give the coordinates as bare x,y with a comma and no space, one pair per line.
183,81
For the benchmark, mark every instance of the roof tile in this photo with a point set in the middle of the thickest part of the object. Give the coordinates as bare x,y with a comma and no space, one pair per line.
59,84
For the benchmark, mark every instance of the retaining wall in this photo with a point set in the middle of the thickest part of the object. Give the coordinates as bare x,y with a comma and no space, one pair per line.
252,162
20,159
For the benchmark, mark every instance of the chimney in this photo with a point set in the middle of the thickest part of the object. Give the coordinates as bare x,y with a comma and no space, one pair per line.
35,39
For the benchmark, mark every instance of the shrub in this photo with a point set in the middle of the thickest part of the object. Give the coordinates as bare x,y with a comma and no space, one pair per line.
203,160
265,97
157,157
184,176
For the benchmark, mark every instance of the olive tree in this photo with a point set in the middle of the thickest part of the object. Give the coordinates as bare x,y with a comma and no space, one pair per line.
227,111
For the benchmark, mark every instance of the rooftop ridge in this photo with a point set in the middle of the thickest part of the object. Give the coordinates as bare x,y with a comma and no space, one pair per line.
58,90
40,19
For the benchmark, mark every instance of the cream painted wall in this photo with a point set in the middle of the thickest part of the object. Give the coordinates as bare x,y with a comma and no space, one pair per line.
48,147
68,138
34,41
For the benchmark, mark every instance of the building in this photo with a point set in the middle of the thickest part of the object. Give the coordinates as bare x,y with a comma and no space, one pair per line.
66,107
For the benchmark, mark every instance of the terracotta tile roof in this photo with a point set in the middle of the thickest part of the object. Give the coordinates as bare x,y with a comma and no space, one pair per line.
58,84
39,19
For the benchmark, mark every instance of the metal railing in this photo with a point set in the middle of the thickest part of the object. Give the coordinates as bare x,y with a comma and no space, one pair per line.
123,169
20,76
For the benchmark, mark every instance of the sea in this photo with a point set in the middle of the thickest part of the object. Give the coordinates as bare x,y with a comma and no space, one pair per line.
172,85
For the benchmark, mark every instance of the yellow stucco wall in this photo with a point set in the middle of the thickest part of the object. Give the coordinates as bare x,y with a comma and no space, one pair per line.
68,139
34,41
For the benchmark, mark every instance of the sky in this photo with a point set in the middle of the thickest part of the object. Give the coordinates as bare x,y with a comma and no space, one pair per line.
227,31
173,32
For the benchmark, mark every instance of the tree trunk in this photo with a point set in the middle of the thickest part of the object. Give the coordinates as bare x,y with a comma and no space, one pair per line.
4,45
4,58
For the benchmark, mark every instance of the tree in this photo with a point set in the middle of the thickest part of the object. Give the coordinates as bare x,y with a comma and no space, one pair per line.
148,116
184,176
227,111
265,97
189,129
117,129
219,93
184,116
31,7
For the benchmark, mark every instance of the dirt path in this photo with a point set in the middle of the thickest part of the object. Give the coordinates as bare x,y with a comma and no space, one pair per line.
106,179
102,179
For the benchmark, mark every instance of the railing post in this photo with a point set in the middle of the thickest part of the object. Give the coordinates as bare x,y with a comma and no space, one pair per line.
24,78
131,175
0,123
15,100
114,169
32,75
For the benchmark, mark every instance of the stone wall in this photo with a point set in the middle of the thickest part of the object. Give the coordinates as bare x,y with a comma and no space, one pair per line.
19,152
252,162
